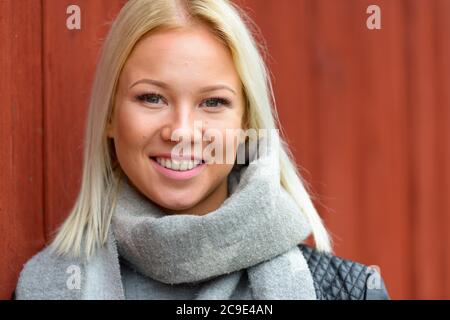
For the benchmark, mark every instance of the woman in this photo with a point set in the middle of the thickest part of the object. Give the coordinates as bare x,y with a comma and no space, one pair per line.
162,212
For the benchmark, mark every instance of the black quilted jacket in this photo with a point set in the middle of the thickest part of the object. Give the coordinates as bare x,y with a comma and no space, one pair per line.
340,279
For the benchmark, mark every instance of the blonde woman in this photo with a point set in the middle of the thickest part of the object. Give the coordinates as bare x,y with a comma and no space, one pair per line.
170,207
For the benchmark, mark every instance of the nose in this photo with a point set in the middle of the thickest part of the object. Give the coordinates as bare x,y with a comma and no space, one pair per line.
182,125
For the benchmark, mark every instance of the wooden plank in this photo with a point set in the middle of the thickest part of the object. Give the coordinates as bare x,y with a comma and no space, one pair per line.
379,103
422,80
442,27
21,205
69,64
428,228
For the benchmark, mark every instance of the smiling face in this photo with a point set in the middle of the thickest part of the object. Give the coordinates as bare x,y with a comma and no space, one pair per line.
172,79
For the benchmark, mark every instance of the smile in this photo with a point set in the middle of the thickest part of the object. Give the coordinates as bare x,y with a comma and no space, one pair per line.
178,169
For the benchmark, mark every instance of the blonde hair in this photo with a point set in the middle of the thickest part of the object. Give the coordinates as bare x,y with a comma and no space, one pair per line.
86,228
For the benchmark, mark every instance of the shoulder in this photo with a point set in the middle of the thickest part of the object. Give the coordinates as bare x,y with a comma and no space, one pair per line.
336,278
43,276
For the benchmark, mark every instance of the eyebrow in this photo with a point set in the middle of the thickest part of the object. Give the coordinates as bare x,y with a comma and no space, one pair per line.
166,86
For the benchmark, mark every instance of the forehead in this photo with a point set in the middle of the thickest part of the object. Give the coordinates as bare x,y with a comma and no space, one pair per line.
191,52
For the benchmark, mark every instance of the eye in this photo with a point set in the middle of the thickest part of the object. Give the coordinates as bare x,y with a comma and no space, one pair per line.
216,102
149,97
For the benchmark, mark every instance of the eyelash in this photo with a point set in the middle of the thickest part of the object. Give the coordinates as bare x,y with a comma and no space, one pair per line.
223,101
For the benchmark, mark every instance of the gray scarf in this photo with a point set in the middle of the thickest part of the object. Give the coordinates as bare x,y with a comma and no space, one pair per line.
257,230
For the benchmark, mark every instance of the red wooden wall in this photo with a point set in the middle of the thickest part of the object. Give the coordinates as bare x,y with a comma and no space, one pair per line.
367,113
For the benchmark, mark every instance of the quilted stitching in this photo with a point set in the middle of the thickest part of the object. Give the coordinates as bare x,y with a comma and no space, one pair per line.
336,278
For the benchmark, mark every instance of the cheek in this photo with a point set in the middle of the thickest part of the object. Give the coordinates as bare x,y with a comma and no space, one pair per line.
132,130
217,174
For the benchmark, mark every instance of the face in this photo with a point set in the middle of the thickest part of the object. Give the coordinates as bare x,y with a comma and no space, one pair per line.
177,87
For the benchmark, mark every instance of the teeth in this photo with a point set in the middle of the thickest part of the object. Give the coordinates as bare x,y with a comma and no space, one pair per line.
178,165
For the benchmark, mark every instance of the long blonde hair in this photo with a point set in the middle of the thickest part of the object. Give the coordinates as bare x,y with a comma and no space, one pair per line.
86,228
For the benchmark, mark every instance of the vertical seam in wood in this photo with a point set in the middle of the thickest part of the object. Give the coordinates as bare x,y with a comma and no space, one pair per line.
410,150
43,124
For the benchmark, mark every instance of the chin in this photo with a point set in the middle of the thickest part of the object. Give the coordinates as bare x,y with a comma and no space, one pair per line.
172,203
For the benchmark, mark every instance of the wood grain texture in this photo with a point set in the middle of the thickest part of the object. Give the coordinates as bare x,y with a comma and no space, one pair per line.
21,182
